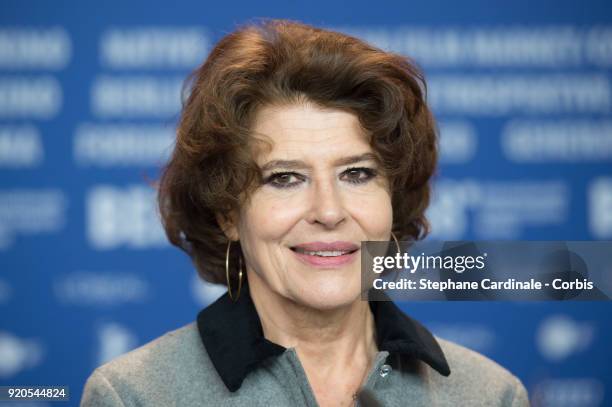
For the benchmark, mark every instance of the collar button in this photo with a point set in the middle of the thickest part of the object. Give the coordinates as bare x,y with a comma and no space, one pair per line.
384,370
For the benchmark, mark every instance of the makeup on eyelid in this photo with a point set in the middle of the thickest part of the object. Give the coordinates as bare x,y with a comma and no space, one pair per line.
369,172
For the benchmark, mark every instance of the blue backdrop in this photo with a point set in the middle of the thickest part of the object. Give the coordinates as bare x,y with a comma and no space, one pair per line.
89,97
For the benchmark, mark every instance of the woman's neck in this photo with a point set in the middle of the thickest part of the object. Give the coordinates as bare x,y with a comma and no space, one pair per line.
329,343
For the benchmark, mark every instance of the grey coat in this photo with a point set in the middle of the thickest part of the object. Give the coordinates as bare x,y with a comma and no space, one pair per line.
216,363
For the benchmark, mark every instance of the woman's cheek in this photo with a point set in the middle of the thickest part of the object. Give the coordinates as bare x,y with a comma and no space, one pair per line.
272,218
375,214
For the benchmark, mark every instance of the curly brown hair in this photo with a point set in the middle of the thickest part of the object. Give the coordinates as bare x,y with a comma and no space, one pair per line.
212,171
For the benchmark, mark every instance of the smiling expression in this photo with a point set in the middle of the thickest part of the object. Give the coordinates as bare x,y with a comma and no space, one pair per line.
323,193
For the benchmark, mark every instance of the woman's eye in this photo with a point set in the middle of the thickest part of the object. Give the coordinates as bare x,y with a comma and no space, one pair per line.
282,179
292,179
359,175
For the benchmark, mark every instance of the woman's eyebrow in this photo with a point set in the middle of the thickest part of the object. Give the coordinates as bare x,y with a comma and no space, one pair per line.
298,164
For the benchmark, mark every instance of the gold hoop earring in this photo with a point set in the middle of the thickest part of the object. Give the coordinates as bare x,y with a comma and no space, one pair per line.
229,286
397,274
396,243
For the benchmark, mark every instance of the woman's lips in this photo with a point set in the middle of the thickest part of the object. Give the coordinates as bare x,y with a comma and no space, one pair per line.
326,261
344,246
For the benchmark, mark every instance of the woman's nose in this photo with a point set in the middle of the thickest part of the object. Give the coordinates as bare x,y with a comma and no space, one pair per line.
326,205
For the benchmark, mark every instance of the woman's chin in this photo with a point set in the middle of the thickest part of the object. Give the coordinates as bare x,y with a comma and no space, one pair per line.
329,296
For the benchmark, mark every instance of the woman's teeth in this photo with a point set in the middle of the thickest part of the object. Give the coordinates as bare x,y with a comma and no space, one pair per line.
332,253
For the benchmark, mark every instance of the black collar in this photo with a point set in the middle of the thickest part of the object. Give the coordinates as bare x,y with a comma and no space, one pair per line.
233,337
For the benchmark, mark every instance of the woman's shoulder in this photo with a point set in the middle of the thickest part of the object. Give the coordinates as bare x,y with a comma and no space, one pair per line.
164,351
475,373
153,370
461,359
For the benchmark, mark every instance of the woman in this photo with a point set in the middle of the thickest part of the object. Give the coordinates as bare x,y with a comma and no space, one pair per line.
295,145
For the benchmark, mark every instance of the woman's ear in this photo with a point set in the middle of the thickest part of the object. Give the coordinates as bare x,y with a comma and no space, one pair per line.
228,223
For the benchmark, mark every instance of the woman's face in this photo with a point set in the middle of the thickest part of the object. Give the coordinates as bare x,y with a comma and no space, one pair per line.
321,186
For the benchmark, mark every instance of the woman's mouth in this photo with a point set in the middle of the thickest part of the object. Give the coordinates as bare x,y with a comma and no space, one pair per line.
325,258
